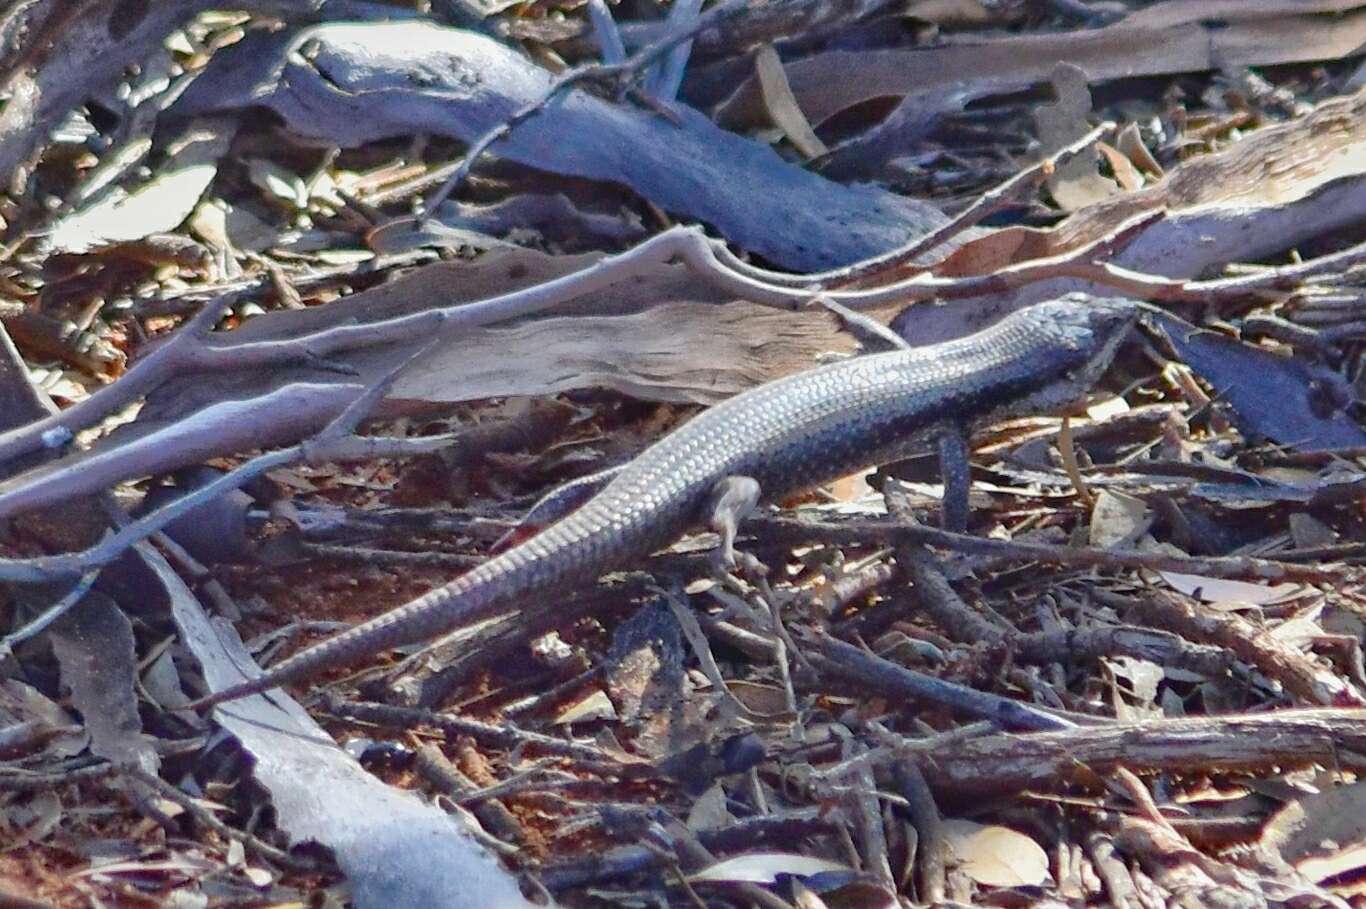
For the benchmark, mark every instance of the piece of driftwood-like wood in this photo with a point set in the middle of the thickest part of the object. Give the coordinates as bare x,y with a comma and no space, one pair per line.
1275,188
1179,36
663,336
1286,739
1291,177
1306,678
351,83
212,394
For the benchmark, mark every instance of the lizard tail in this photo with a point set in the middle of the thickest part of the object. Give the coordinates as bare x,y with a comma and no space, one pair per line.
472,596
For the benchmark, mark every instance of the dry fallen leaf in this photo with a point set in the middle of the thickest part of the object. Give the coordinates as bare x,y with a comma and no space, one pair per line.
1075,184
1106,408
781,104
596,706
1141,678
1322,834
1126,175
995,856
1224,590
764,868
957,13
709,811
1117,520
1130,143
284,185
158,206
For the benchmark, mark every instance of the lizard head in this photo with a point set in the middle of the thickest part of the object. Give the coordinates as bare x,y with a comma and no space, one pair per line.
1083,334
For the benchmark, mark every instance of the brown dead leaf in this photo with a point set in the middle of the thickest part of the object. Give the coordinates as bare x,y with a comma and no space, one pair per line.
1130,143
995,856
782,106
1163,38
592,707
1322,834
1126,175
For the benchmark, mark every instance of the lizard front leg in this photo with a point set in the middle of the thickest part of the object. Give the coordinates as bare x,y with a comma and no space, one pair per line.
732,499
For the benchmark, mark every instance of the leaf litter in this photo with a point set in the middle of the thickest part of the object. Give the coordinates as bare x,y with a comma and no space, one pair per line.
1176,603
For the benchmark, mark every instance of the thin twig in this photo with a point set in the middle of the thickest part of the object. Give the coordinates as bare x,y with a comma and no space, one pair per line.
1068,452
49,615
507,735
871,671
56,430
53,567
206,817
987,204
25,781
315,450
884,532
863,326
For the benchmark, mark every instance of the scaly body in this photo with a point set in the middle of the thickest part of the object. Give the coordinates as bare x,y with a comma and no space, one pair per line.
789,435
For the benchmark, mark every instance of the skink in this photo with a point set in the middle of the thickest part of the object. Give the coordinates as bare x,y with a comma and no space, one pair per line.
789,435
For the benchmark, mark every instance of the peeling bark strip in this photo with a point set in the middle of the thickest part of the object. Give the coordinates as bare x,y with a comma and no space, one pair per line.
355,83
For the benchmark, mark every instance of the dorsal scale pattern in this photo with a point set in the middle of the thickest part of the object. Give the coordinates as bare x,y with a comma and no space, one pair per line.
789,435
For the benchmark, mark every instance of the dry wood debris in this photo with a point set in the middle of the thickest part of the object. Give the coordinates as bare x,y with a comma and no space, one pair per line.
303,305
